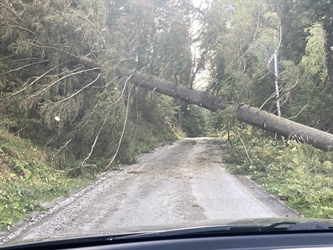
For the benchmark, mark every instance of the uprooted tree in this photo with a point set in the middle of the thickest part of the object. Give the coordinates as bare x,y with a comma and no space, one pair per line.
245,113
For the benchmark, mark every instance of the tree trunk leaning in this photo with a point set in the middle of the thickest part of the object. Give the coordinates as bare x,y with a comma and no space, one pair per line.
245,113
285,127
191,96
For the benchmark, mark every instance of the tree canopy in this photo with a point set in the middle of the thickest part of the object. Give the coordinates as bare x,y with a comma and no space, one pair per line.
58,58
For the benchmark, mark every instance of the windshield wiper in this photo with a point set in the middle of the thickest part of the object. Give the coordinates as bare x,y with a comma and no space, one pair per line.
293,226
176,232
225,230
208,231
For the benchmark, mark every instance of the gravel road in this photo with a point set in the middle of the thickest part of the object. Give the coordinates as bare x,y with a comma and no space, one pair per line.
182,182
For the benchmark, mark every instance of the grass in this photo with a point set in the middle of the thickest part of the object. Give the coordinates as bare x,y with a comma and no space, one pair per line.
298,174
26,184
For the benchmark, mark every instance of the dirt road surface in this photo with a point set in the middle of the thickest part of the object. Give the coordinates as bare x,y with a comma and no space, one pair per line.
182,182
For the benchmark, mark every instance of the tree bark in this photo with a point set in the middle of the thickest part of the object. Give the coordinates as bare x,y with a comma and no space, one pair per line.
245,113
285,127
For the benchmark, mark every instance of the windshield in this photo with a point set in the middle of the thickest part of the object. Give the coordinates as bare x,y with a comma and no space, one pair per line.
126,116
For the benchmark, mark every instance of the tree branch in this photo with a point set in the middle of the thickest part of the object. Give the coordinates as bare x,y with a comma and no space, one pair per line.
12,11
24,88
247,154
22,28
77,92
59,80
95,141
61,148
295,116
123,131
25,66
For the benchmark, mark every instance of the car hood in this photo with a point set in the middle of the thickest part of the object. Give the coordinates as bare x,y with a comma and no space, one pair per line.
119,231
263,222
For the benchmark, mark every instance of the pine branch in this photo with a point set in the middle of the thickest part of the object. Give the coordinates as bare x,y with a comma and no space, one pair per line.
22,28
25,66
107,115
96,104
77,92
59,80
25,87
12,11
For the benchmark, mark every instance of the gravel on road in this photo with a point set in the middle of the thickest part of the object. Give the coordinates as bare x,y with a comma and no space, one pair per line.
182,182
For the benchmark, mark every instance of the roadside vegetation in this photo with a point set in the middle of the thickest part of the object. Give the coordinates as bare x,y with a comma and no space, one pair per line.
27,180
298,174
32,175
59,90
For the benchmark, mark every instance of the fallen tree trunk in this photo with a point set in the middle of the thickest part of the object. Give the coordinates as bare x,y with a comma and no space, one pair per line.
285,127
191,96
245,113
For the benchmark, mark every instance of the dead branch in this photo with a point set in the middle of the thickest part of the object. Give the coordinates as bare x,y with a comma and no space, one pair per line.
257,29
294,7
281,94
61,148
247,154
59,80
291,89
295,116
122,94
92,25
269,98
6,57
22,28
25,87
95,141
77,92
12,11
106,85
24,59
68,99
54,48
104,121
123,91
123,130
25,66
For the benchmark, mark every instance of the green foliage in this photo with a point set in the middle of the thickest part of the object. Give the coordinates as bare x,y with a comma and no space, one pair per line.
298,174
171,55
239,63
194,121
312,100
221,121
62,91
314,60
58,87
26,180
241,38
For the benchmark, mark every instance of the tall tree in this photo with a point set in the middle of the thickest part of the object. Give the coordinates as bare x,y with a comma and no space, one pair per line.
244,43
57,61
248,36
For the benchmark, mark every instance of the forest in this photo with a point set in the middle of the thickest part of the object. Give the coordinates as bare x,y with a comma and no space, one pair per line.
61,91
